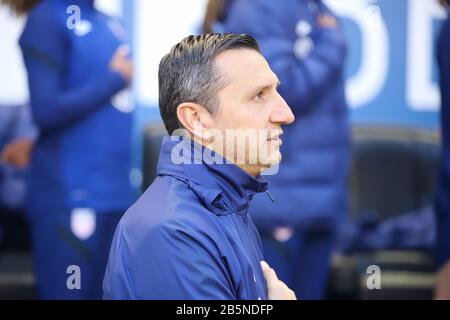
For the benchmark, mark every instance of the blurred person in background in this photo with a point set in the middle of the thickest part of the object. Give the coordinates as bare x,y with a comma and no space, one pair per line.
305,46
17,134
442,202
79,185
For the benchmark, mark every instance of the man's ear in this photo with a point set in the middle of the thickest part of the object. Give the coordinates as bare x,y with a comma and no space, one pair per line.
195,119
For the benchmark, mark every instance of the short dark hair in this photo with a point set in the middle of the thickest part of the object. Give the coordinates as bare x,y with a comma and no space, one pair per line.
187,73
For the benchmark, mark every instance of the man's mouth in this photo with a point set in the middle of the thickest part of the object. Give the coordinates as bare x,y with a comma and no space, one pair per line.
276,138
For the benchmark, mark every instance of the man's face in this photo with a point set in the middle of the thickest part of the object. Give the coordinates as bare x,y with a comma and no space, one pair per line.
250,112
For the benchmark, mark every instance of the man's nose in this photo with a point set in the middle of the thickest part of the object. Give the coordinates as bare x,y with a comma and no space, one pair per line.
282,113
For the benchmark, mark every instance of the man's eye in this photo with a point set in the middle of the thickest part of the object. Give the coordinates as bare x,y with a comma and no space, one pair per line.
259,96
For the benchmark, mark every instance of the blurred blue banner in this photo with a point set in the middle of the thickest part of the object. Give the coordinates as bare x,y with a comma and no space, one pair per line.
391,69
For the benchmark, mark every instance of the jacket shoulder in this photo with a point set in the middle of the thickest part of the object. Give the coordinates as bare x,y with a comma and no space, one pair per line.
169,205
43,21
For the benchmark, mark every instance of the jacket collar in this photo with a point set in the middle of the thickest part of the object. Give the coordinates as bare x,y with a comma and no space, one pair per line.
223,187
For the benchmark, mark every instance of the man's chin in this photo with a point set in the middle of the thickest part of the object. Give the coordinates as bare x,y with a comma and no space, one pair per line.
274,160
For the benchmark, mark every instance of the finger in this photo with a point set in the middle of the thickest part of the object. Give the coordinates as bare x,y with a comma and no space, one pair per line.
6,154
264,265
269,273
19,160
16,147
14,150
123,50
327,21
13,147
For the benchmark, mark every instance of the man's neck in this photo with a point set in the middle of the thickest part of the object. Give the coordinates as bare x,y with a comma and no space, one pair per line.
252,170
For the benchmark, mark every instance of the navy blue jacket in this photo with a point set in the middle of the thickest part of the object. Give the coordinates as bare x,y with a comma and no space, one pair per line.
189,236
442,204
82,157
310,187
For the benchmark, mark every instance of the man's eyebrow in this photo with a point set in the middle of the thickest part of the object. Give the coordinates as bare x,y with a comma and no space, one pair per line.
266,86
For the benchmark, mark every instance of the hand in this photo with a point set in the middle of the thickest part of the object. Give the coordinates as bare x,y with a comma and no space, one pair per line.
327,21
443,283
17,153
122,64
277,290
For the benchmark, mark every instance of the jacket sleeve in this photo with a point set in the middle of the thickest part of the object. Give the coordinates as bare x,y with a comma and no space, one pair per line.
303,79
44,45
25,127
172,265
